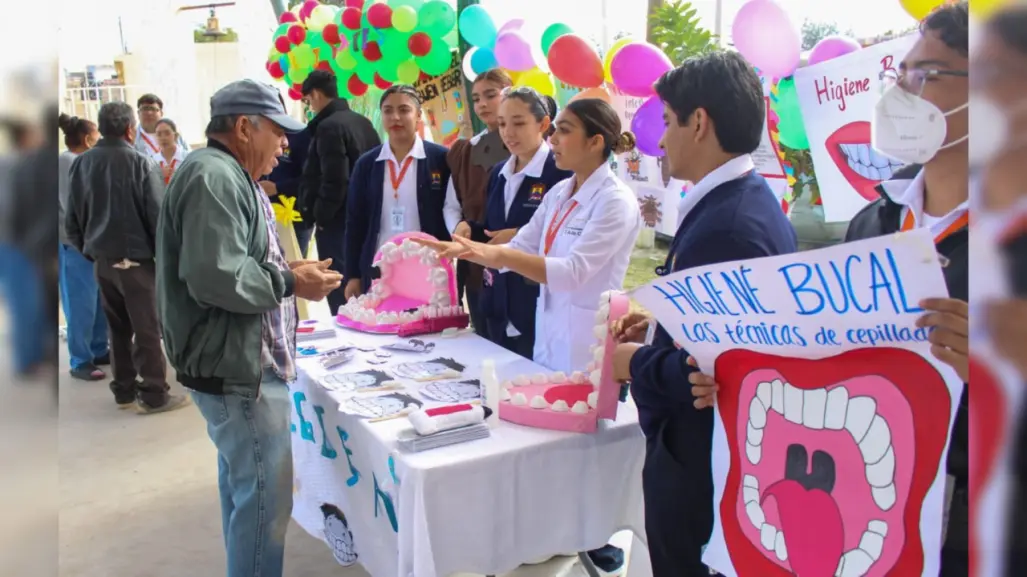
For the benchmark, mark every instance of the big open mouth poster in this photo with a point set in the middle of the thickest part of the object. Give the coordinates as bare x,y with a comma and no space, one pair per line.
837,99
832,420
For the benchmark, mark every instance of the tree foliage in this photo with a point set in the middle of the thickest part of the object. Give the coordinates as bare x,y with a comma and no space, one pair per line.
813,32
674,26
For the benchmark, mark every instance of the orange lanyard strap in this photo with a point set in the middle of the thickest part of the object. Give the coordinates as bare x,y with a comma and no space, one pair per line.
909,223
147,140
398,180
555,226
1014,230
171,169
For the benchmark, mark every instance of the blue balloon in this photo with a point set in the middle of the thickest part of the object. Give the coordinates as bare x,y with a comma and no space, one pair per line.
483,59
477,27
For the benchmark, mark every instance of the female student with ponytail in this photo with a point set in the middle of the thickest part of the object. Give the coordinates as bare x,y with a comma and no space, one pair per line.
516,189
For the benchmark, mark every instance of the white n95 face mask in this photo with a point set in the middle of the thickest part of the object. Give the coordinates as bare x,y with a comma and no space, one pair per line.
991,131
908,128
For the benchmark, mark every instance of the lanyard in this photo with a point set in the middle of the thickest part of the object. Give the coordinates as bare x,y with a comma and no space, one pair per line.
171,169
555,226
909,223
146,139
398,180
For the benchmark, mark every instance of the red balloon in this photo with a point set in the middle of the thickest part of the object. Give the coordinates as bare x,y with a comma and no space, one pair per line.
324,65
297,34
351,18
331,34
372,51
381,82
419,44
282,44
307,8
298,87
574,61
275,69
295,94
379,16
287,17
356,87
355,3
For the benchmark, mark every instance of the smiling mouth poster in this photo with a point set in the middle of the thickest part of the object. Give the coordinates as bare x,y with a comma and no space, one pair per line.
837,99
832,420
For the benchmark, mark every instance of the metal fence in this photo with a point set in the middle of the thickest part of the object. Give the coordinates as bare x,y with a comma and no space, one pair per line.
85,101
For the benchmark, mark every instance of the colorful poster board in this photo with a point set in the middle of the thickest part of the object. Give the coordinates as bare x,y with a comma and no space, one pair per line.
837,99
832,420
446,106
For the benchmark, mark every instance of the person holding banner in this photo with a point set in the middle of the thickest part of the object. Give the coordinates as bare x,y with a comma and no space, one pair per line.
714,111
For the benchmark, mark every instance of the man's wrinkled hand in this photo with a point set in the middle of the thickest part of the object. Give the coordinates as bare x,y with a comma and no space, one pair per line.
315,280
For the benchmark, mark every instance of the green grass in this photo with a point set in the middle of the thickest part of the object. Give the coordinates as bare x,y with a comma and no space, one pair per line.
642,268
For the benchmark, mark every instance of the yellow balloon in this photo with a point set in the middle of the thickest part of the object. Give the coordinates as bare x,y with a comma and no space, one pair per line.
919,9
540,81
613,52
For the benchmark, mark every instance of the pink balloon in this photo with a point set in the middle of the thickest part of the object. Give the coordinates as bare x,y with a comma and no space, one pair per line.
767,38
637,66
832,47
515,24
513,52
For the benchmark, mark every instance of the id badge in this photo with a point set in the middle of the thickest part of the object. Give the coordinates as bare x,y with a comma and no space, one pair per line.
398,219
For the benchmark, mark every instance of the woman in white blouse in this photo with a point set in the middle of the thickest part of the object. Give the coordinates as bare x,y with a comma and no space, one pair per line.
170,154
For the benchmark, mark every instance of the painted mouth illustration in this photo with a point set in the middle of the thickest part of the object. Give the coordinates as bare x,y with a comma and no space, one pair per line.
834,459
986,425
860,164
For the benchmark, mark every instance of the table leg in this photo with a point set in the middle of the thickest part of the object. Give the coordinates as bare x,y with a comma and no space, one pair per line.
590,567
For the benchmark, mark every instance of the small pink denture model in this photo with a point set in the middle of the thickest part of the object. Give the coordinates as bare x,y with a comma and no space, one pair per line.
572,403
416,293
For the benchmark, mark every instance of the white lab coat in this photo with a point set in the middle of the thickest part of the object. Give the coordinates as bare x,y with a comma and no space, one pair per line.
589,256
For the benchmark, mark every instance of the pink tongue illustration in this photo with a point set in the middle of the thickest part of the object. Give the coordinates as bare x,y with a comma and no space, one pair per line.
812,526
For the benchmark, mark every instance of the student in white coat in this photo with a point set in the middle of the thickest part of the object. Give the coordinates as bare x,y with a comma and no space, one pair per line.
578,243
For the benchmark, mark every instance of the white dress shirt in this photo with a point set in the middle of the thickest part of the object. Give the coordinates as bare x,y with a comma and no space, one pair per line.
404,197
910,194
454,218
589,256
735,168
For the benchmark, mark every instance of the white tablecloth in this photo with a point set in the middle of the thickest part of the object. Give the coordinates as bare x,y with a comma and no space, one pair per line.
485,506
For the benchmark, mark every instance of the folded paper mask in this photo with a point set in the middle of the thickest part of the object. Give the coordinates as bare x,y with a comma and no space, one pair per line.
576,402
416,293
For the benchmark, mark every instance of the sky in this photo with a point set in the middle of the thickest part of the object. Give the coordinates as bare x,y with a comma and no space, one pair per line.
88,29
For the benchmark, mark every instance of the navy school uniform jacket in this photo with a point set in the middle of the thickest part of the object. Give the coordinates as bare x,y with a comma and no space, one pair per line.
364,206
737,220
511,297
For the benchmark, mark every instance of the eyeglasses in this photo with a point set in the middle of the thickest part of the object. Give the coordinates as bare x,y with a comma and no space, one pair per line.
912,80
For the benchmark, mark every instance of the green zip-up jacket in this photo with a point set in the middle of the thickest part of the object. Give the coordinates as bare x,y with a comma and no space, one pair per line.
214,281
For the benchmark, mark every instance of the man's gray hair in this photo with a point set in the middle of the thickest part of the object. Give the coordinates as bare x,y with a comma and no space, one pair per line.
115,119
225,124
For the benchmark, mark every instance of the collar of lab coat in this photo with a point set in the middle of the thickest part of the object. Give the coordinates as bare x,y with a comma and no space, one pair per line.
534,167
910,194
592,185
417,151
735,168
477,137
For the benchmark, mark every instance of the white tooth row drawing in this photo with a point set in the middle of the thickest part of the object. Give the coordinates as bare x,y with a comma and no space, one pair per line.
819,409
854,563
867,162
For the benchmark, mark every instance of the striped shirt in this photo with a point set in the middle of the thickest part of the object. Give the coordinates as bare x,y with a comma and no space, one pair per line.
278,345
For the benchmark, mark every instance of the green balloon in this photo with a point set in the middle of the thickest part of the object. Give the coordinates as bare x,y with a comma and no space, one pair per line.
394,45
365,71
551,34
436,18
303,55
437,60
389,70
345,60
342,84
452,39
415,4
790,127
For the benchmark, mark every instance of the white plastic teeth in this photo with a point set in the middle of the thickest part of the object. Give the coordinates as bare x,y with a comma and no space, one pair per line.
818,409
440,298
439,278
592,366
539,379
504,394
603,314
558,378
383,290
598,354
560,406
429,257
604,299
538,402
519,399
580,407
600,331
521,380
593,399
506,384
410,248
390,318
377,288
596,377
578,378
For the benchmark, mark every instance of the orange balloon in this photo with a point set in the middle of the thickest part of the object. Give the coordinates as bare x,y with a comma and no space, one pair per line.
599,93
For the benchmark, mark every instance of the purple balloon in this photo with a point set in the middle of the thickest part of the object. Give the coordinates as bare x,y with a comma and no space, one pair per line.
767,38
832,47
648,127
637,66
515,24
513,52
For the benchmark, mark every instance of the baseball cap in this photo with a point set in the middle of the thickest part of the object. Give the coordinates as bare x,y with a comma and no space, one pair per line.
252,97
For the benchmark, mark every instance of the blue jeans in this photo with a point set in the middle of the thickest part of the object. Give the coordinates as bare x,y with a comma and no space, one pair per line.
21,287
251,433
80,299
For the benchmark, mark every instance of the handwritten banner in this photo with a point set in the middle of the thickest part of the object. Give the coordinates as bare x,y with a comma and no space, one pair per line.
445,105
832,418
837,99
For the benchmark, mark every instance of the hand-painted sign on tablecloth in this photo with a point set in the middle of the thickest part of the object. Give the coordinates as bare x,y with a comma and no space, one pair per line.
837,99
832,419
